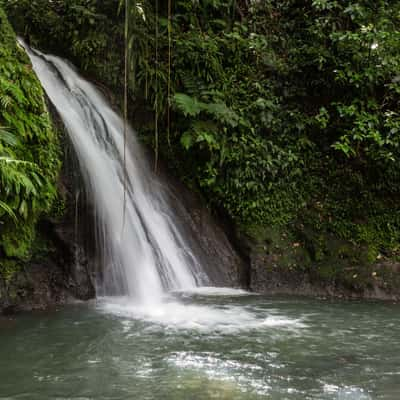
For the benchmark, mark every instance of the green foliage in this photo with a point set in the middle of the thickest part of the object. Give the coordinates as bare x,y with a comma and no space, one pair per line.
84,30
281,113
29,152
8,268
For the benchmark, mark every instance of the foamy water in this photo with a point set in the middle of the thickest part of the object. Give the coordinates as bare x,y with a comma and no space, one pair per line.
215,291
201,317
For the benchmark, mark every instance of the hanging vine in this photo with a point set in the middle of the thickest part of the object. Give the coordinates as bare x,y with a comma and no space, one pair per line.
169,70
126,66
156,92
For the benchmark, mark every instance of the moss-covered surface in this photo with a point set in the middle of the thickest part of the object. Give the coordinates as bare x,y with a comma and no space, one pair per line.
332,264
31,156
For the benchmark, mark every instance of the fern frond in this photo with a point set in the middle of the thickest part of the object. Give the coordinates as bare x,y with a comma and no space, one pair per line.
8,210
6,137
5,101
189,106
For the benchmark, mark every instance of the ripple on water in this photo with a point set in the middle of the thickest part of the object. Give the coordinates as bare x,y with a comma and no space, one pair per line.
346,392
215,367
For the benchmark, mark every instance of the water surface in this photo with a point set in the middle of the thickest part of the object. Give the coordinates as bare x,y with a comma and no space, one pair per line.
204,345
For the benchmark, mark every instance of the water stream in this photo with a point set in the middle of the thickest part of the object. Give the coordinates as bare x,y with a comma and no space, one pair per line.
143,251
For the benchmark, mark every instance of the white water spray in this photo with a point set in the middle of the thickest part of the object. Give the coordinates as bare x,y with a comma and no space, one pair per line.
145,255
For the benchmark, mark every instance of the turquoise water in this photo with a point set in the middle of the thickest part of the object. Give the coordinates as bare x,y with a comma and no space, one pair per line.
204,345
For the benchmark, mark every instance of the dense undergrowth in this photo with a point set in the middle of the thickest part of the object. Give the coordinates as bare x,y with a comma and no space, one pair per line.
284,115
29,153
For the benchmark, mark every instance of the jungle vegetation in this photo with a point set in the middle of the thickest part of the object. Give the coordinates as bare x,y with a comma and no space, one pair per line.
283,115
29,151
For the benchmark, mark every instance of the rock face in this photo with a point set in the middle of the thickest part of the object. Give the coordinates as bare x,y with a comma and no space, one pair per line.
220,259
281,267
272,280
62,272
60,277
44,285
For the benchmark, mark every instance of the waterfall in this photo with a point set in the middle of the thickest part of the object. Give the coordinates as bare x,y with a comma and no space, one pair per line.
143,251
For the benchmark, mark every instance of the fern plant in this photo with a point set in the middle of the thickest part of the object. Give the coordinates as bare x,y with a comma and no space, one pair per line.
29,152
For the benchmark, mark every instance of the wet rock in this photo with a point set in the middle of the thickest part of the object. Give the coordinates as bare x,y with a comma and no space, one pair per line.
219,258
206,233
64,272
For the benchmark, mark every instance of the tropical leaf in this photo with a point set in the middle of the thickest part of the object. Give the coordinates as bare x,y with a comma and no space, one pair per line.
187,140
189,106
7,138
8,210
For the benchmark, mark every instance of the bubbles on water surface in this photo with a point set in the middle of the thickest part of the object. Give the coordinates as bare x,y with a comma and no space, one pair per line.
215,291
346,393
232,374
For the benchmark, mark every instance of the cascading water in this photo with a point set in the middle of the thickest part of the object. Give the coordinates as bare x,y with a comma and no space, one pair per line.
143,250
